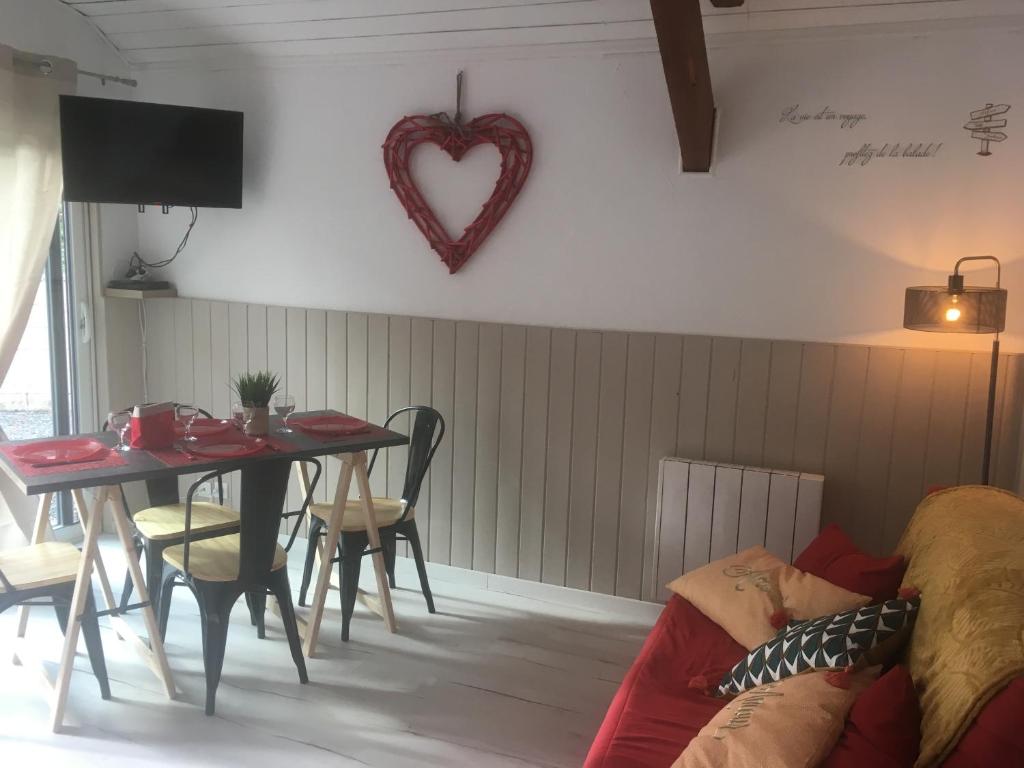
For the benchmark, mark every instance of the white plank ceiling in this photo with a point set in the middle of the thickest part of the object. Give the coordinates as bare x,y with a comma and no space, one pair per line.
153,32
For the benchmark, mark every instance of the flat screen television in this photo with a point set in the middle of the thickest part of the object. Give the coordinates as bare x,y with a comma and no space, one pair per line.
156,154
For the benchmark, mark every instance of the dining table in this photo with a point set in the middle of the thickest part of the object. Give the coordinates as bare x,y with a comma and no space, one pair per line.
263,478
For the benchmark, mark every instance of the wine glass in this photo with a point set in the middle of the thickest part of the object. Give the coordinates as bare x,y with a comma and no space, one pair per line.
187,414
283,407
119,421
238,415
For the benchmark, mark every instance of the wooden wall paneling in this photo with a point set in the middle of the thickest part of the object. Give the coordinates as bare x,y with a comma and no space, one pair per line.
636,444
510,449
256,322
358,361
725,517
817,372
694,382
535,428
337,385
557,472
973,441
881,389
238,363
1006,452
444,401
668,360
316,380
277,348
847,403
488,420
723,388
997,421
610,422
421,356
583,463
183,359
221,396
946,423
700,497
752,402
753,510
671,527
909,444
202,360
399,341
295,362
377,392
160,375
467,348
694,385
783,404
782,498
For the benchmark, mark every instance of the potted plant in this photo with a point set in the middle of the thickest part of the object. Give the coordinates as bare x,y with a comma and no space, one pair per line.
255,391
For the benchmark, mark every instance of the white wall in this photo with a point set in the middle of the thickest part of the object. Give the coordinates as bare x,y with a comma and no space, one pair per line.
781,242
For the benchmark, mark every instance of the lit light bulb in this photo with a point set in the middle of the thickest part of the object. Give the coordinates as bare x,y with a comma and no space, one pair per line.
952,314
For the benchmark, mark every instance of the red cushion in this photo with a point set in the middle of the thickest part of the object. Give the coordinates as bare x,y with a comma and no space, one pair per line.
834,557
996,737
655,713
884,726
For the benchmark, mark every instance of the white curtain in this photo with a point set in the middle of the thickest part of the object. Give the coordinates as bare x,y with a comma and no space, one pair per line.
30,190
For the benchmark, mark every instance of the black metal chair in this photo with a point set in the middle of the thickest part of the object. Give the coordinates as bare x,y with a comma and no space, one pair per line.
396,519
48,571
162,525
214,569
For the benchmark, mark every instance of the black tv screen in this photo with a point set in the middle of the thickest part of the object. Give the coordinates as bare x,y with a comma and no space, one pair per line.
158,154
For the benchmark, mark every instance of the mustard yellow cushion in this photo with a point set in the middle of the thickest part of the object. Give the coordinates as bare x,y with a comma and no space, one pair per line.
741,593
793,723
965,549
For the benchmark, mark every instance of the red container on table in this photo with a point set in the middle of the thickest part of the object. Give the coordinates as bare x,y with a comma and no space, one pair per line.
153,426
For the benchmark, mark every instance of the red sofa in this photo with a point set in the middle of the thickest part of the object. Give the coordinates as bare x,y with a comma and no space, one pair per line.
655,712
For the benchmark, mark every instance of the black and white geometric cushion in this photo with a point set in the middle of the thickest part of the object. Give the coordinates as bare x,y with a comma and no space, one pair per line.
828,642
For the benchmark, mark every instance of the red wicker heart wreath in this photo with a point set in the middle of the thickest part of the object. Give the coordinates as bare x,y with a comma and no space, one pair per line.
456,138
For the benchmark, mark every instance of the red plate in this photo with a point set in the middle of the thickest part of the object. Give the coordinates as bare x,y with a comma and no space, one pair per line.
66,451
204,427
226,449
328,426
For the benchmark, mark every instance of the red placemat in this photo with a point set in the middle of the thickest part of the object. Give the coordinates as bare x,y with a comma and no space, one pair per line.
172,457
111,459
330,427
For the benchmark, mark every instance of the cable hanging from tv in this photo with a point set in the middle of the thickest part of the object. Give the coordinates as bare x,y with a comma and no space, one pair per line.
137,266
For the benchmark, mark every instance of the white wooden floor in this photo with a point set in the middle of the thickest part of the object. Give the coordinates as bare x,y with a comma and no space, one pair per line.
492,679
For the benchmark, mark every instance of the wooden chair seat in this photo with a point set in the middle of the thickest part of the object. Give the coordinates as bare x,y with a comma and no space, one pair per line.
386,511
215,559
168,521
40,565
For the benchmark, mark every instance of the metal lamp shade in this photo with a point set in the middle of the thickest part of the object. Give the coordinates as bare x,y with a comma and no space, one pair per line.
933,308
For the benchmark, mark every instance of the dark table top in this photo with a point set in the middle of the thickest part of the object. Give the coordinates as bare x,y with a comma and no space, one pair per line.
140,465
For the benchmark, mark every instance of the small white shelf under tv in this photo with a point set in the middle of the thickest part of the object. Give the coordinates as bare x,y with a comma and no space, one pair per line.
138,294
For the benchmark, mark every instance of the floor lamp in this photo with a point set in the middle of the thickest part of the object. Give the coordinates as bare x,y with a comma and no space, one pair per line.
955,309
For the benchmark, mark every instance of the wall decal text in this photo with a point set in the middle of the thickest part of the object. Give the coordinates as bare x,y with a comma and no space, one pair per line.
869,152
795,116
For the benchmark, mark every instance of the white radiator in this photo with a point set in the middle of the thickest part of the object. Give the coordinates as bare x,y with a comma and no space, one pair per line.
708,511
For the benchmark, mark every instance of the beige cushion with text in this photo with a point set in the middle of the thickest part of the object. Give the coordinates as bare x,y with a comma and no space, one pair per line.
741,592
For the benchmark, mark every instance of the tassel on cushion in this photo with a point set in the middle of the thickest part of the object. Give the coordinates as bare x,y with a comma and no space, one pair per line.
779,618
840,678
699,683
909,593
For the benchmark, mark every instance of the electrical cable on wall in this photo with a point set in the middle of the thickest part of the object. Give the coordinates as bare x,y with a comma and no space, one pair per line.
137,266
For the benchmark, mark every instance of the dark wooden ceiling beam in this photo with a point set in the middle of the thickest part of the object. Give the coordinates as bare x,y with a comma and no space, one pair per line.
684,55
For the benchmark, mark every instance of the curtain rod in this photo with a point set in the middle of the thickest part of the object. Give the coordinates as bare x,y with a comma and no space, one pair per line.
45,66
